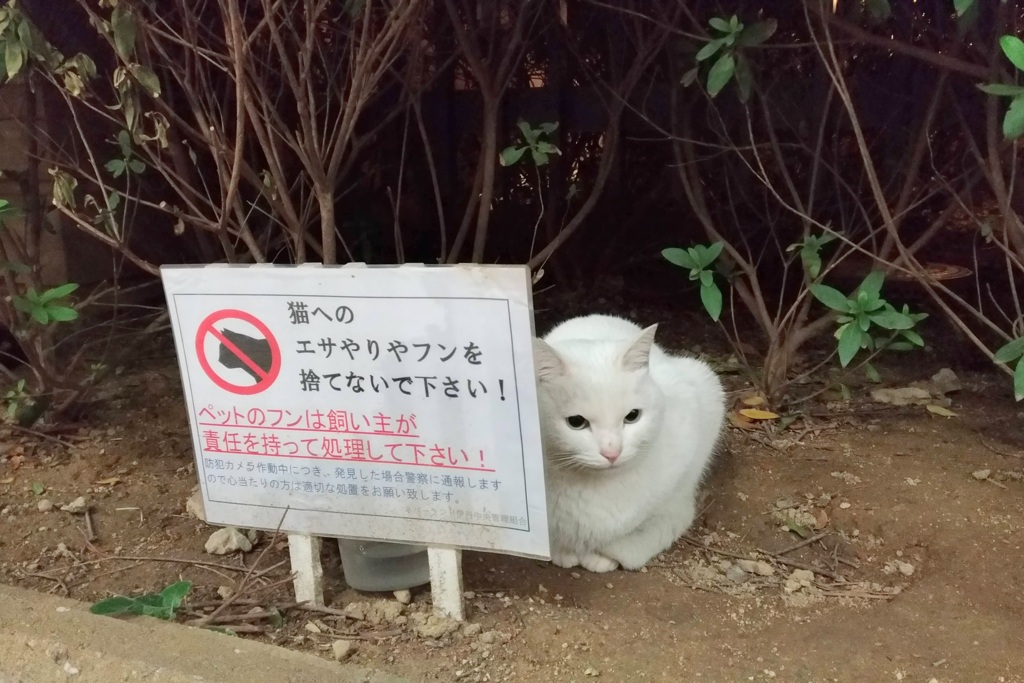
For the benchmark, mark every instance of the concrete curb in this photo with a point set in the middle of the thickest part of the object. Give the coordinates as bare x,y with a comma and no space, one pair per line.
45,639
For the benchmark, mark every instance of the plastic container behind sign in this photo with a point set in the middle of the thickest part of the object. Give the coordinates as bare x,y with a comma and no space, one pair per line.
374,566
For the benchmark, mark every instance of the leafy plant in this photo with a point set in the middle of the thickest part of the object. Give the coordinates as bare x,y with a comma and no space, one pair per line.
1010,353
48,306
1013,121
864,312
728,36
540,150
698,259
161,605
15,398
810,251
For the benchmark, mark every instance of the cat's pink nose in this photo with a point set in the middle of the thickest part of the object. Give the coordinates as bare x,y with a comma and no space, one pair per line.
611,454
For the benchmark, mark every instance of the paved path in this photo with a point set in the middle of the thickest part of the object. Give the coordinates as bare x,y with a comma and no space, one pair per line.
44,639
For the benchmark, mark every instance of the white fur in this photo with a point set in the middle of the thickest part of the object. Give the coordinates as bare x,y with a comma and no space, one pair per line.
606,514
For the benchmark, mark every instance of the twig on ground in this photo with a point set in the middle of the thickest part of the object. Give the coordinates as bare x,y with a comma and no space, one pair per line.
41,435
801,544
997,451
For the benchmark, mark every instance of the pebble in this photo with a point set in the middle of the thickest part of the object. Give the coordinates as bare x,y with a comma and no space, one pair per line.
575,575
227,540
592,672
44,505
844,506
905,568
75,507
469,595
403,596
736,574
981,475
488,637
471,630
759,567
70,669
343,649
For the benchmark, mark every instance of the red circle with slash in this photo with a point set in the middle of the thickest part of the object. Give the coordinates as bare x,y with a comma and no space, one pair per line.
266,376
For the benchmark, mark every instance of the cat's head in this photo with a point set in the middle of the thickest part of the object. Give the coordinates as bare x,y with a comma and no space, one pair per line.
599,405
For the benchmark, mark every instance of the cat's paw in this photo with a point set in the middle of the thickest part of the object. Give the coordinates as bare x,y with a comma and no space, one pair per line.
565,560
598,563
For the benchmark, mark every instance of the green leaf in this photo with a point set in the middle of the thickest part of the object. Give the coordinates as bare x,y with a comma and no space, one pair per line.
116,167
15,267
849,344
115,605
719,24
136,166
549,128
755,34
1013,48
62,313
812,261
511,155
124,142
713,251
41,315
872,373
114,200
831,297
912,337
529,133
689,77
37,488
900,346
706,278
14,57
879,9
711,297
58,292
22,304
744,78
1013,122
1001,89
1011,351
148,80
720,73
710,49
679,257
539,157
891,319
1018,381
175,593
122,25
961,6
872,285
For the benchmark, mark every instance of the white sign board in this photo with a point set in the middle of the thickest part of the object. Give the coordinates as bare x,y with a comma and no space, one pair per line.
388,403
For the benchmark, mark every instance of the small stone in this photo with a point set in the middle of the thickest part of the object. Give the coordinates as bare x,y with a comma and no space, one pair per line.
471,630
469,595
735,574
591,672
574,575
227,540
432,626
902,396
403,596
489,637
759,567
75,507
194,505
609,586
981,475
225,592
70,670
844,506
343,649
945,381
44,505
905,568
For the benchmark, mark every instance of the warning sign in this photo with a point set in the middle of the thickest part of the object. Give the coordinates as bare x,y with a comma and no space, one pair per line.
396,404
225,344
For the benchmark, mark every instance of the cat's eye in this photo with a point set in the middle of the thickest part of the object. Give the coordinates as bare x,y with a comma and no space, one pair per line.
632,416
576,422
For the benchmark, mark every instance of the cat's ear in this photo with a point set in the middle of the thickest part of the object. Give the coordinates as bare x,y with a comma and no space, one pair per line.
548,363
638,355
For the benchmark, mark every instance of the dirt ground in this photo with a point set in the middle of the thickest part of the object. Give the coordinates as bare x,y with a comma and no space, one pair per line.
916,570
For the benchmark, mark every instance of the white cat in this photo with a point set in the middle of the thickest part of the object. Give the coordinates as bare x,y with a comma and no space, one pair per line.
628,432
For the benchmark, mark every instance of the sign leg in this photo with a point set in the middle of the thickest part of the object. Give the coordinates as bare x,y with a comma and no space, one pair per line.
446,582
309,572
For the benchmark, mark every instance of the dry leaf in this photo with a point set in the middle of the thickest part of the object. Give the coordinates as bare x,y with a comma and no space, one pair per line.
820,518
8,480
740,422
757,414
939,410
753,401
110,481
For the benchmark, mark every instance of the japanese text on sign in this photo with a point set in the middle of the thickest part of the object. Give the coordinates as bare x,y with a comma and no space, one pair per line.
400,407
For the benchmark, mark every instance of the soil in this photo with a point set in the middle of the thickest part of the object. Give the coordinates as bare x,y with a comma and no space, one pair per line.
916,574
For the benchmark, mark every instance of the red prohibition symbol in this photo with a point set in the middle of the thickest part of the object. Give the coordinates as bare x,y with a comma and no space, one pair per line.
249,355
